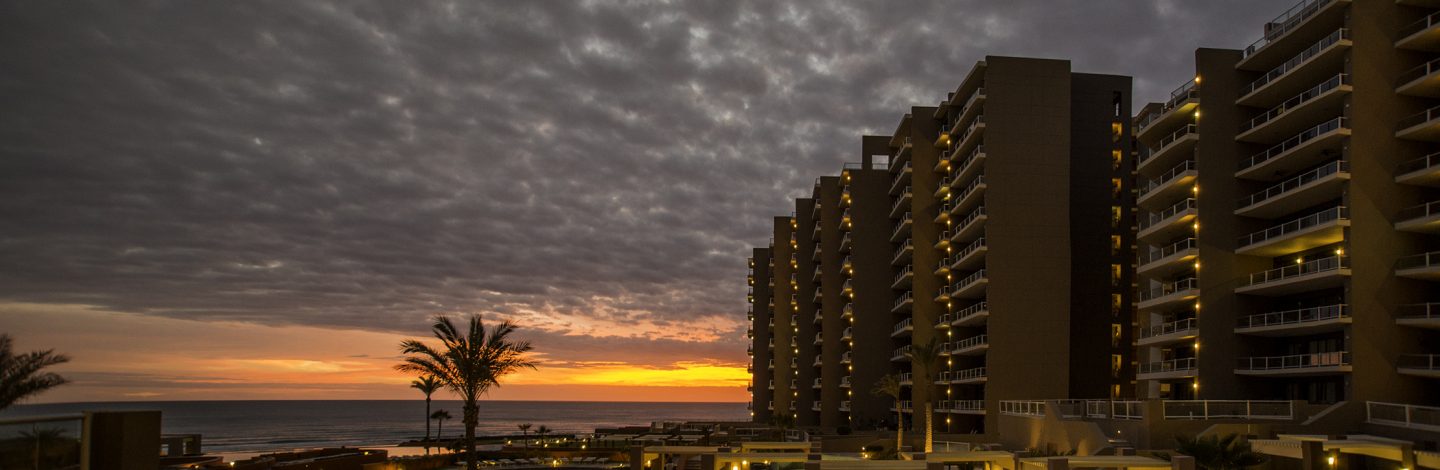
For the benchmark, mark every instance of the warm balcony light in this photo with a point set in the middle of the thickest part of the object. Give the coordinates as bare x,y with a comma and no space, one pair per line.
1299,260
1195,189
1330,460
1197,79
1339,252
1197,114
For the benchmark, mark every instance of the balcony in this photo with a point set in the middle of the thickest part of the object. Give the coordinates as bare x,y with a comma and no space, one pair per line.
1310,231
968,166
901,354
1423,171
1312,65
902,228
903,254
907,379
1165,188
817,362
815,406
1227,409
1422,81
973,315
1424,266
845,405
848,334
846,358
942,322
1177,109
968,376
971,287
1426,315
968,110
1294,114
972,346
848,311
967,407
1423,35
901,180
969,197
1424,125
1420,365
1168,294
902,203
903,279
1174,258
1424,218
1304,19
1169,223
903,328
902,153
819,339
845,243
1300,277
969,227
1171,369
1298,322
1171,150
969,258
1304,150
972,136
1426,418
1325,363
1304,190
903,303
1167,333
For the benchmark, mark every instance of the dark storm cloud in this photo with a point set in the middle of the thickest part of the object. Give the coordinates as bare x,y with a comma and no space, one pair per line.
367,164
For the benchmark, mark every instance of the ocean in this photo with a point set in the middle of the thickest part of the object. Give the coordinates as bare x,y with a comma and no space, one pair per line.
252,426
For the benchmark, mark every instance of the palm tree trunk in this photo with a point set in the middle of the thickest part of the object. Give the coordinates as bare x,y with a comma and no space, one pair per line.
427,418
472,418
899,428
929,427
439,428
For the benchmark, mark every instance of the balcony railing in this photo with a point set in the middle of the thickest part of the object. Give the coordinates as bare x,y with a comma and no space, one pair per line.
904,247
1168,288
971,248
1294,317
902,225
907,378
1172,211
905,196
1421,311
1296,61
967,312
1029,408
1172,138
1166,328
1285,23
1294,361
902,352
1418,212
1423,260
1301,269
968,374
1419,118
903,325
1115,409
1173,365
1228,409
1418,72
969,158
1296,101
965,405
1319,218
1421,362
1168,251
977,276
1411,166
973,341
1183,93
1293,142
1338,166
965,222
846,358
905,271
1165,179
1425,23
1400,415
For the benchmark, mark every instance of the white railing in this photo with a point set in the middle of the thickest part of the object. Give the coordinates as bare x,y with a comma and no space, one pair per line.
1169,140
1168,328
943,319
903,324
1115,409
1296,141
848,333
1401,415
1228,409
969,158
1028,408
901,352
845,405
1338,166
1296,61
1165,179
1168,288
1297,100
904,272
1166,252
973,341
1422,311
968,374
975,245
1185,92
1294,361
967,312
846,359
1410,166
1321,265
1313,220
907,378
1421,25
845,381
970,280
1423,260
902,225
905,297
1187,205
1173,365
1294,317
967,405
1417,212
904,247
1285,23
969,219
1426,362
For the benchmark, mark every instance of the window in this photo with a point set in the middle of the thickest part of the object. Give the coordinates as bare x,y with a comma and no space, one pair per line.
1115,334
1115,304
1115,215
1116,363
1116,186
1117,275
1116,128
1115,159
1116,242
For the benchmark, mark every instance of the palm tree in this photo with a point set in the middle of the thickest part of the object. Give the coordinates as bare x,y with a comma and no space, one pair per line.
925,359
783,422
427,385
439,416
20,376
525,436
468,363
542,431
1218,453
889,386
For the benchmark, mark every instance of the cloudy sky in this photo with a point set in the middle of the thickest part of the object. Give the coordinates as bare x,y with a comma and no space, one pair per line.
259,199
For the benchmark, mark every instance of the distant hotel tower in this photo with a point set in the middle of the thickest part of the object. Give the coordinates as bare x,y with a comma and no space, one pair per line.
998,224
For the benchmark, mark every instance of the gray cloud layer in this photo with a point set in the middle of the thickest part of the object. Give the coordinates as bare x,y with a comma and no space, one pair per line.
365,164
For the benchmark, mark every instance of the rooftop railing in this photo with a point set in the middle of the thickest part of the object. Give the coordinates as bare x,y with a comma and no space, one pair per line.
1165,179
1296,61
1294,317
1294,361
1168,251
1296,141
1338,166
1297,100
1228,409
1168,328
1319,218
1285,23
1296,270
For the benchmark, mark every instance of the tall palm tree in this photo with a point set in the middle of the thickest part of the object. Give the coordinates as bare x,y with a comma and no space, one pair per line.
889,386
1216,452
925,362
427,385
439,416
20,376
468,363
542,431
525,436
